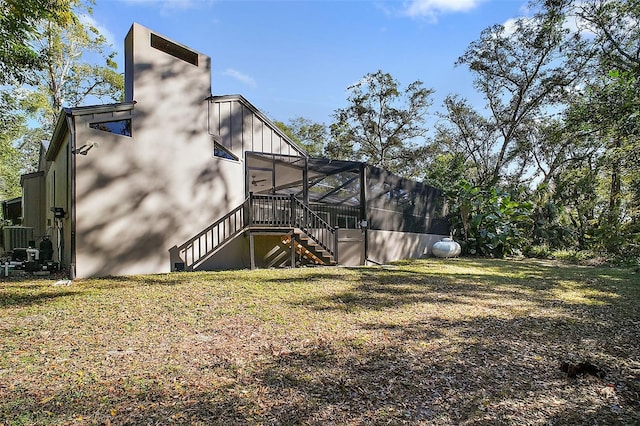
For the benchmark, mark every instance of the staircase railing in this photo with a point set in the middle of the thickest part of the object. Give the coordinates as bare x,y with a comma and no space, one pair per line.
288,211
214,237
270,211
315,227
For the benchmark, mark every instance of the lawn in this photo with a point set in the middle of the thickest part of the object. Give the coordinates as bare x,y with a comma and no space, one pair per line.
462,341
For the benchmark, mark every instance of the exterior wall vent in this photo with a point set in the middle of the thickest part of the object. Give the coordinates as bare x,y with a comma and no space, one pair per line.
174,50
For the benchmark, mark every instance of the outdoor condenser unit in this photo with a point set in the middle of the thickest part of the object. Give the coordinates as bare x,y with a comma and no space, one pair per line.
17,237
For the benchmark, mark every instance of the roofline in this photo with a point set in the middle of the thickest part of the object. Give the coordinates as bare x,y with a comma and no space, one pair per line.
13,200
58,134
30,175
262,116
93,109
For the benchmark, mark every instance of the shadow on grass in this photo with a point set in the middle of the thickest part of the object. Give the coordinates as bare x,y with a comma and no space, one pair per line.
502,372
19,298
313,277
496,367
382,288
113,282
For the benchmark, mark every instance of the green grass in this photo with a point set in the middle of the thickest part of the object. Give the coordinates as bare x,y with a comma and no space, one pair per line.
463,341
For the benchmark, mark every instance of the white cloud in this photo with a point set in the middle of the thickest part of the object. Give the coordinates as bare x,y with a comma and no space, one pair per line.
572,23
244,78
510,26
167,7
433,8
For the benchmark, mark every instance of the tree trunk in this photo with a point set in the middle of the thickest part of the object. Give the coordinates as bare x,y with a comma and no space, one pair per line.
614,191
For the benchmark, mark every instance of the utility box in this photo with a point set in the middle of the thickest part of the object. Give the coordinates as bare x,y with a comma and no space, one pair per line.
16,237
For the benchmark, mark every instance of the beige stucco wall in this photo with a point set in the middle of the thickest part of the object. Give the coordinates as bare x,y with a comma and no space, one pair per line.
58,194
387,246
140,196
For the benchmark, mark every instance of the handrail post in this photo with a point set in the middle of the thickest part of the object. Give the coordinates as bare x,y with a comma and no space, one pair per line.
335,244
292,218
250,213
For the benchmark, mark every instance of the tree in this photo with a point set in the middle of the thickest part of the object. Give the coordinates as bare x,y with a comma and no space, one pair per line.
524,73
446,170
19,20
616,26
311,136
66,75
607,111
471,136
72,74
69,76
382,125
13,124
488,221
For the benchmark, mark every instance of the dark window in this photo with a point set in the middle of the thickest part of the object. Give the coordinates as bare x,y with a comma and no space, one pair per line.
220,151
119,127
174,50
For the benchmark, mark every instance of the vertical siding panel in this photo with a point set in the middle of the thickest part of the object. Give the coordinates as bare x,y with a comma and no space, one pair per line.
220,117
241,129
213,118
272,142
257,136
252,123
246,129
225,127
277,146
263,142
277,142
217,117
236,125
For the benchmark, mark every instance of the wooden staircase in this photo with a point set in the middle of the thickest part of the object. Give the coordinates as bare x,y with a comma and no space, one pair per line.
313,239
308,250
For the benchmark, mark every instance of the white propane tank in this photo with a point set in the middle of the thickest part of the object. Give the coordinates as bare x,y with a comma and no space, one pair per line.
446,248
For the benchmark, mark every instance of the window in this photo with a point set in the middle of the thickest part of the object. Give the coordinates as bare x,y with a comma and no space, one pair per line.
221,152
174,50
119,127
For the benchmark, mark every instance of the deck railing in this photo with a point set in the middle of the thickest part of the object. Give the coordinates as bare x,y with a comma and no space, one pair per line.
270,210
338,215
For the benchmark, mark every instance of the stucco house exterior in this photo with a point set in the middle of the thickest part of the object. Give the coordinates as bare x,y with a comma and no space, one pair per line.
175,178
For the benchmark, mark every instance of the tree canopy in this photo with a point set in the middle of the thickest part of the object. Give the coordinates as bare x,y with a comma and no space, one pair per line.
309,135
50,57
19,28
559,128
382,124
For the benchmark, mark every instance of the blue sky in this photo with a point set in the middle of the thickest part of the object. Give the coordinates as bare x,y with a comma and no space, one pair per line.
296,58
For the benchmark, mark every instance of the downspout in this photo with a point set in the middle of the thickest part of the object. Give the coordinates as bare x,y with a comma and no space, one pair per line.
72,204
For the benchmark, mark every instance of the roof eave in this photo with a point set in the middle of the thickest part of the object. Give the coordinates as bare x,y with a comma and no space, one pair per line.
58,134
61,127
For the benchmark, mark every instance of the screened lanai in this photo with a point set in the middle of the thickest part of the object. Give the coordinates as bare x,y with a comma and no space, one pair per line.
349,194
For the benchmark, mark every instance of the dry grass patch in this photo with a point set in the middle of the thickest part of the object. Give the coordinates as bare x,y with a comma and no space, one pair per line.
462,341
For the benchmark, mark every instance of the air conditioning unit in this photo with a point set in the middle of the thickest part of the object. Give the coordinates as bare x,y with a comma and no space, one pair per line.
16,237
